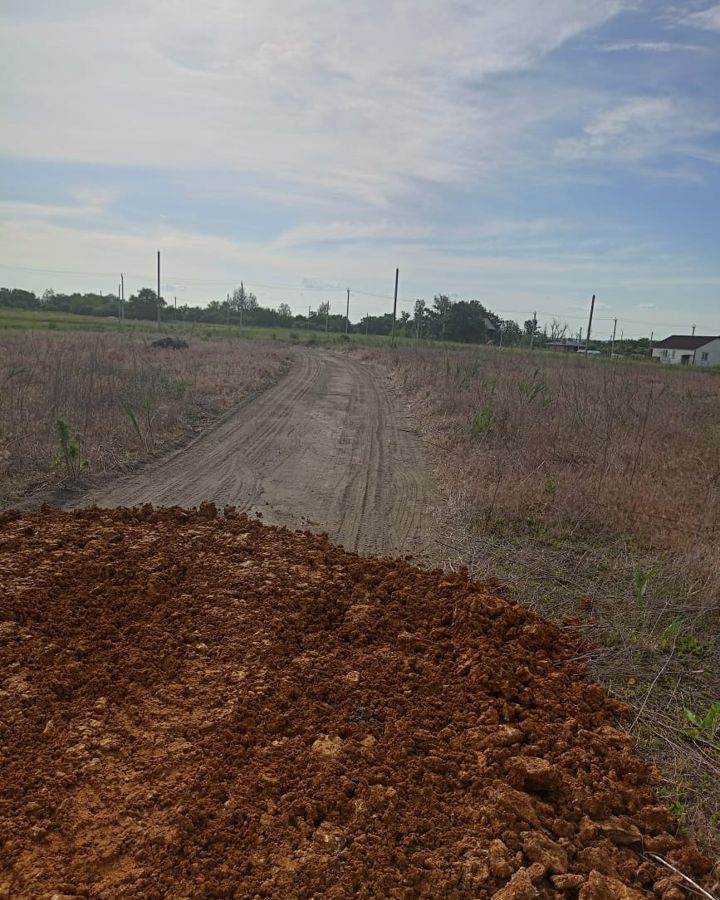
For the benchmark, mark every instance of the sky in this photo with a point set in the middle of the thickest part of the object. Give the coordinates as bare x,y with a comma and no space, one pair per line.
524,154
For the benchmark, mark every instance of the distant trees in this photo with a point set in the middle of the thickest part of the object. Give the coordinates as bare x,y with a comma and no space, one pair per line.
16,298
143,305
464,321
511,333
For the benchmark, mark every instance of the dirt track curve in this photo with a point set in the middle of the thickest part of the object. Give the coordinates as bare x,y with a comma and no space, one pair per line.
324,449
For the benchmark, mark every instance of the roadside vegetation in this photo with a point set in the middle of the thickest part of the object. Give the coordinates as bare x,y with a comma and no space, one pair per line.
74,404
592,490
442,322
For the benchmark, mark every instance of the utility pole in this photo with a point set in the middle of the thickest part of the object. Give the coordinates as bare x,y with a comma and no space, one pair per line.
592,310
347,313
122,296
367,324
612,342
652,335
501,333
119,305
158,293
534,328
693,331
227,311
392,330
327,316
308,324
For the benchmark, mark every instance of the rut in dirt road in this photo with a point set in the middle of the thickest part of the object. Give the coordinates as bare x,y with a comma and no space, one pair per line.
323,449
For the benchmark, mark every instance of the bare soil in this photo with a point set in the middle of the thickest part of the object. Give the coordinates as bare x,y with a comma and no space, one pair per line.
196,706
323,448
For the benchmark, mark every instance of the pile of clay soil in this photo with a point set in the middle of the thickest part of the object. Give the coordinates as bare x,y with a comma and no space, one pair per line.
197,706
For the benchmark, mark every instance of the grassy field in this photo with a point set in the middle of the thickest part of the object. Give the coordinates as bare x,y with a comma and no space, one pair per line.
24,320
592,491
121,399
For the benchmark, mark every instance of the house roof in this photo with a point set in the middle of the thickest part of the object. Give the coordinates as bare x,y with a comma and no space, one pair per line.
686,341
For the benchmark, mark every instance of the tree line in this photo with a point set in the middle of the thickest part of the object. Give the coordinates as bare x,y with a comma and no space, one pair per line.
462,321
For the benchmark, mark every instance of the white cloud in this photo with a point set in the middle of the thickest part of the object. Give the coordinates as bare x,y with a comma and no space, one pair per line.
637,128
706,18
352,98
652,47
90,204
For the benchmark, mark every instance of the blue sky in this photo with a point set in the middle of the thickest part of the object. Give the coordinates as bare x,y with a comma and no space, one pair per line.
526,154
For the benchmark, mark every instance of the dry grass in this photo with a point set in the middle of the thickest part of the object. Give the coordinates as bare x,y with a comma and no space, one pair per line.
125,399
622,447
592,491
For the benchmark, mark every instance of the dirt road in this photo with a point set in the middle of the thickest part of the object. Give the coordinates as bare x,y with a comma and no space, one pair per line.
325,449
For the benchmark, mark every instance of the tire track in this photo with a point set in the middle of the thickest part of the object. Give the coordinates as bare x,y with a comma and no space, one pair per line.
320,449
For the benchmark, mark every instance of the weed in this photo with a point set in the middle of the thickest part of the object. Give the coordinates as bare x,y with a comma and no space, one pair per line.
483,421
677,800
534,388
703,725
69,454
550,487
641,579
670,634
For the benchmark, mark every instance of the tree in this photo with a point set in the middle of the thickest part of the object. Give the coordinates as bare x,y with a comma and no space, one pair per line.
511,332
530,328
439,313
143,305
243,301
284,311
557,331
469,322
419,311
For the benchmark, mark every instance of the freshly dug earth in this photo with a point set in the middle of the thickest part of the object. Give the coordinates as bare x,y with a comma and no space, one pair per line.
201,706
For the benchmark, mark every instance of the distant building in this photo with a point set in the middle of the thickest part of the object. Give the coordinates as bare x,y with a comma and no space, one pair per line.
688,350
566,345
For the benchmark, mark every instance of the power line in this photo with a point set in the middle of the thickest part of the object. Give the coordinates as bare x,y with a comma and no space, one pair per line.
180,281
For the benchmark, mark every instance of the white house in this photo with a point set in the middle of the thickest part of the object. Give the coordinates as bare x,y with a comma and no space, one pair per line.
687,350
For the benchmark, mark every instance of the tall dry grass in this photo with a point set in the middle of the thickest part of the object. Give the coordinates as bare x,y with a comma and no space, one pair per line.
623,447
124,398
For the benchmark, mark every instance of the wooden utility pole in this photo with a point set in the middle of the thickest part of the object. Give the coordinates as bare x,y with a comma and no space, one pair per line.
592,310
327,317
612,342
227,311
347,313
392,331
693,331
308,324
534,329
158,292
122,296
